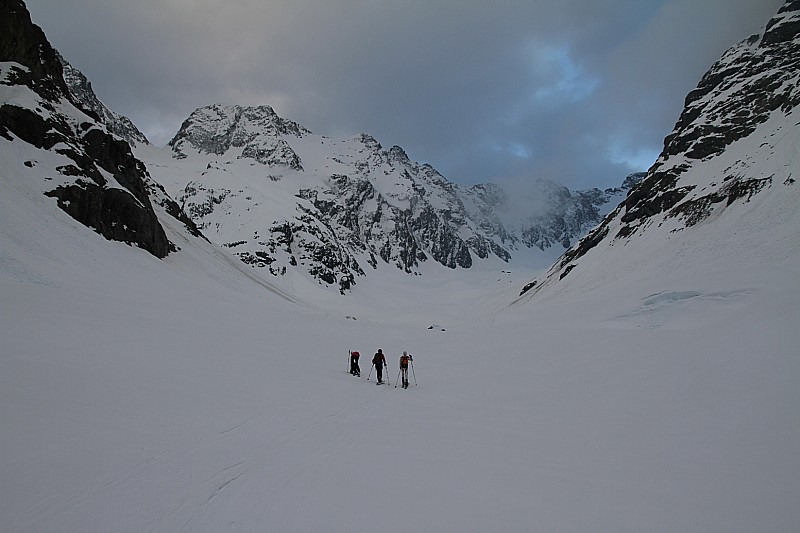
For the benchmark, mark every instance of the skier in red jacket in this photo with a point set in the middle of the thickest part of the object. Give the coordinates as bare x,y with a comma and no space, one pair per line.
404,360
354,368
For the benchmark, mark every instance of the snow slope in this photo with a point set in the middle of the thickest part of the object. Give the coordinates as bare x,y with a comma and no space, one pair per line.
139,394
754,232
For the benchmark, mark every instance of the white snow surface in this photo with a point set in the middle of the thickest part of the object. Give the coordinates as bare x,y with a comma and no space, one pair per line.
190,394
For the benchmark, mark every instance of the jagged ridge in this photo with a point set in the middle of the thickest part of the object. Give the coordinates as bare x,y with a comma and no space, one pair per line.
81,89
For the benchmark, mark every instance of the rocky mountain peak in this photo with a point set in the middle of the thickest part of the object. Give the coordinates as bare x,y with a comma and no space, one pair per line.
398,155
370,142
252,132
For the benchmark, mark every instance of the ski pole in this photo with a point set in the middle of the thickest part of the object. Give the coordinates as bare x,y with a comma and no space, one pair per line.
398,378
370,371
414,373
349,361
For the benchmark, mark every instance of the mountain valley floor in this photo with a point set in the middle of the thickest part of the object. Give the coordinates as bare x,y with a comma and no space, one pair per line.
188,395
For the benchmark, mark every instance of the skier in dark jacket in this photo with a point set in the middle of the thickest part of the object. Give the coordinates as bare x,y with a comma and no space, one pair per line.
379,360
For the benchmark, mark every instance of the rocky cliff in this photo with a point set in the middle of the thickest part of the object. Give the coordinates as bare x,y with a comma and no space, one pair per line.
95,179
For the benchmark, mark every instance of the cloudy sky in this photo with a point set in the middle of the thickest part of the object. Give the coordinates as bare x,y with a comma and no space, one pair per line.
582,92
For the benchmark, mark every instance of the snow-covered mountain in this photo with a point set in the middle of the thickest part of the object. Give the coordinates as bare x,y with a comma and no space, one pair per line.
286,200
65,168
265,188
724,190
348,206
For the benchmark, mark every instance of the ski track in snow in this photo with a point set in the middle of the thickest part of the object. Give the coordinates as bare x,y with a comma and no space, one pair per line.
658,309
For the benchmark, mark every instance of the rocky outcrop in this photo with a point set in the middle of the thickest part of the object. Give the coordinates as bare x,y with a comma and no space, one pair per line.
742,90
23,42
102,185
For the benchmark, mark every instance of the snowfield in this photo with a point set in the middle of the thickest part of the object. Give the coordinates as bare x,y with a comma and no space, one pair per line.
656,387
191,395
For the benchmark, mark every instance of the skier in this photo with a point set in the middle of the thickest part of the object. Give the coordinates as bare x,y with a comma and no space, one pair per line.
404,359
379,360
354,368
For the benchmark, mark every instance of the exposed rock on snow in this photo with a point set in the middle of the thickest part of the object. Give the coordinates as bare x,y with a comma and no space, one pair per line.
100,183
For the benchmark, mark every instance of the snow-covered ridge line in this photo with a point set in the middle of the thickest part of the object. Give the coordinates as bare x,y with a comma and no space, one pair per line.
294,203
81,88
731,157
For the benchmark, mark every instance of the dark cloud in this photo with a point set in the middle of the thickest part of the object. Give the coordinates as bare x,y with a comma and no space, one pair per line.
579,91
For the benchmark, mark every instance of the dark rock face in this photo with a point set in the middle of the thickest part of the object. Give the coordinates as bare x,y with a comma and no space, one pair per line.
23,42
123,214
28,126
113,215
783,28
